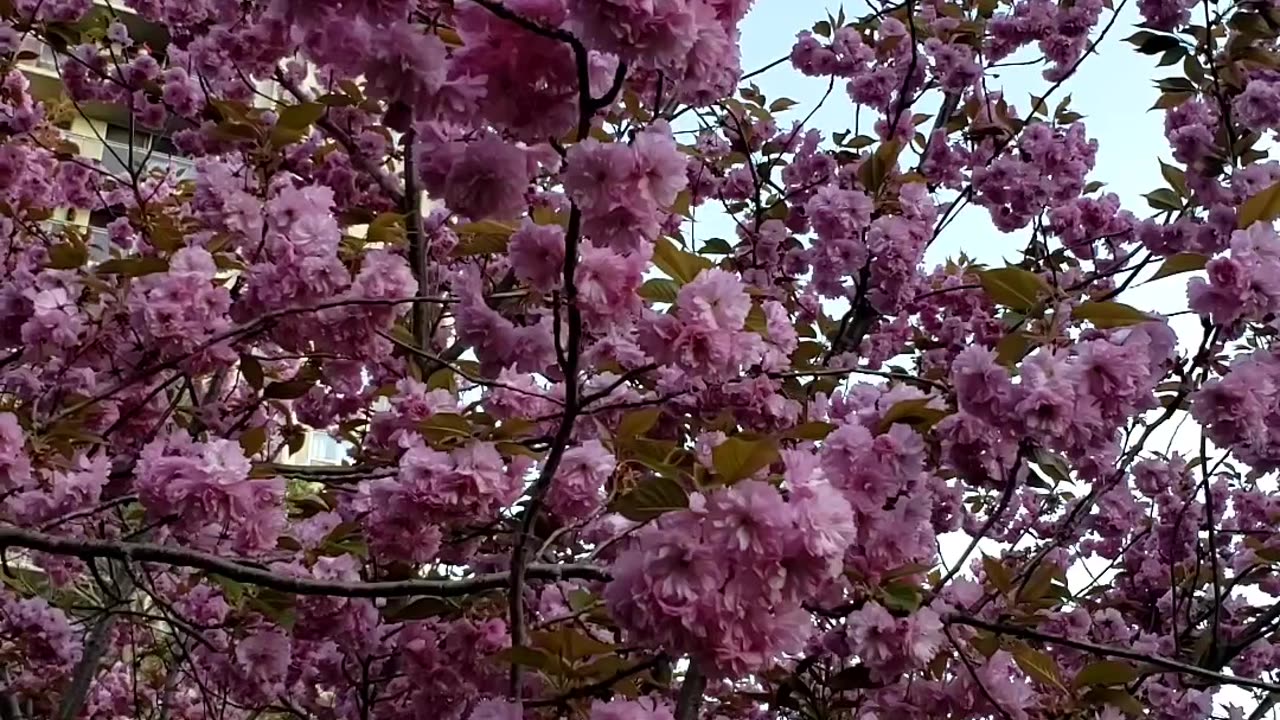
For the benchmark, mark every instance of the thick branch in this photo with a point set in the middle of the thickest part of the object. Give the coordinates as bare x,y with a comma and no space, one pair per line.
9,709
249,574
411,206
695,683
95,647
587,109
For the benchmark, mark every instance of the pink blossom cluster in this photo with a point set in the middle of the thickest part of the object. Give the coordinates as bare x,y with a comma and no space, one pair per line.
405,513
622,189
724,580
204,492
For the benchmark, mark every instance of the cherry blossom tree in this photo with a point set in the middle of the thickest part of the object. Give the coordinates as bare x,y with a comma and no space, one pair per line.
605,466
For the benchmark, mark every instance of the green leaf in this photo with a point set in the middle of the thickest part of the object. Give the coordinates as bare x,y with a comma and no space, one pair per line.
997,573
717,246
1263,207
302,115
1106,672
531,657
1118,698
569,643
230,110
650,498
388,227
916,413
815,430
738,459
1039,583
276,605
876,169
1150,43
682,266
1109,314
486,237
756,321
1013,287
1180,263
1175,176
1039,667
444,426
335,100
352,90
580,600
852,678
637,423
233,590
282,135
232,130
67,256
251,370
133,267
781,104
1012,348
901,596
659,290
1164,199
253,440
288,390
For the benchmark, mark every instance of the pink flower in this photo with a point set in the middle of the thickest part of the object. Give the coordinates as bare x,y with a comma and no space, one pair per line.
873,636
648,33
537,255
643,709
497,710
15,467
748,517
660,162
923,636
715,300
607,283
578,488
264,656
488,180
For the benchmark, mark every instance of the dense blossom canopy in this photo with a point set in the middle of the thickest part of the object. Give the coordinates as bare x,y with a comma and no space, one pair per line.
603,465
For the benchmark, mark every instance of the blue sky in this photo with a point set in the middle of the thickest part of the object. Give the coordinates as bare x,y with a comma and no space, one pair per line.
1113,90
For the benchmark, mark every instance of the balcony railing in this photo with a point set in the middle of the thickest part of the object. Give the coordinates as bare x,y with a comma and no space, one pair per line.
98,240
37,53
118,160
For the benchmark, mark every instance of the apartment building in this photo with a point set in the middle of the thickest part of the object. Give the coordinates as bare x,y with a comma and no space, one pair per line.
103,134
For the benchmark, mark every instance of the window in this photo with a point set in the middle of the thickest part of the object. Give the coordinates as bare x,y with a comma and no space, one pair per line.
150,152
121,135
99,239
164,144
326,451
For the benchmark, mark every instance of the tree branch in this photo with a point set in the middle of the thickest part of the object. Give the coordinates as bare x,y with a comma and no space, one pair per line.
411,206
1164,663
95,647
9,709
131,552
587,108
695,683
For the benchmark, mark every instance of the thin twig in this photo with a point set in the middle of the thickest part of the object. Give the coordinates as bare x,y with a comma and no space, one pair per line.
600,685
